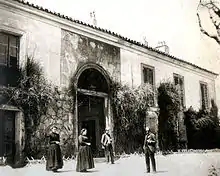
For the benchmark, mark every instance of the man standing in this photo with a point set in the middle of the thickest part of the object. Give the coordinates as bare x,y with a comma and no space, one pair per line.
106,142
150,149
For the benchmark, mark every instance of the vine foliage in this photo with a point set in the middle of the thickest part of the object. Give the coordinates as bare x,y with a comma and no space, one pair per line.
202,128
43,106
169,104
32,95
129,108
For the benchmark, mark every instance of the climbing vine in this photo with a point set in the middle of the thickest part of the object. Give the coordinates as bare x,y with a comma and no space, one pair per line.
169,104
129,108
201,125
43,105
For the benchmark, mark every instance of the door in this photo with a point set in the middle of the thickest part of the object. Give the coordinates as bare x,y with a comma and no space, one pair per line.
91,133
91,116
7,133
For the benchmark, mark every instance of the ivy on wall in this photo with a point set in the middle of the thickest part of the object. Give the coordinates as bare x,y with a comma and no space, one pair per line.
169,105
129,110
43,106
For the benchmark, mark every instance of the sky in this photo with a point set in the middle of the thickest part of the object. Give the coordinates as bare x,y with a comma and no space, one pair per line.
172,21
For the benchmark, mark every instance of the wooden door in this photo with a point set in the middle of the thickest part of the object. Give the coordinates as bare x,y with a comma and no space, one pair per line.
7,133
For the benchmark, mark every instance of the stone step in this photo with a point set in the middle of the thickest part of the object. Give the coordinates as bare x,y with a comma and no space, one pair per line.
99,160
2,161
103,159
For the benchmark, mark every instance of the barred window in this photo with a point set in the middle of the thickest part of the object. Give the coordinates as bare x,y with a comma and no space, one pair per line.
148,78
204,95
179,83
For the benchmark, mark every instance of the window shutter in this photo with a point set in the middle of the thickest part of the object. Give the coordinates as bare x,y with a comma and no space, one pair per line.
204,95
148,77
3,49
13,51
9,53
178,81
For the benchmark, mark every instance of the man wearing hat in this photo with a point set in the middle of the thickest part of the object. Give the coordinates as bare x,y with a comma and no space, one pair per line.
106,142
150,149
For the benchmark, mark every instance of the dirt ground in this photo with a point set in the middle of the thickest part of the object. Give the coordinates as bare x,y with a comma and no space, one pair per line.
185,164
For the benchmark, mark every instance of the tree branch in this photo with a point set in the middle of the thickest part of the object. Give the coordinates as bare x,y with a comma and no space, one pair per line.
215,37
211,5
213,21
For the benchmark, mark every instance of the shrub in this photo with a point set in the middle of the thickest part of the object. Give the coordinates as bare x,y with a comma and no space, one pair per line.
214,113
201,129
129,107
169,105
43,105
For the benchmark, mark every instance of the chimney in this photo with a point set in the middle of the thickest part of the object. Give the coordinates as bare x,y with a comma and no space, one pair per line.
145,41
162,46
93,18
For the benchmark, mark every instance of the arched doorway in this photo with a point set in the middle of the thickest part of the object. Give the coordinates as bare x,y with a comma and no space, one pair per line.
93,104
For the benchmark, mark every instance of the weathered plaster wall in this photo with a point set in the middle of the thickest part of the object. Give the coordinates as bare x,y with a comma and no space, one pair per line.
77,50
38,39
19,137
131,74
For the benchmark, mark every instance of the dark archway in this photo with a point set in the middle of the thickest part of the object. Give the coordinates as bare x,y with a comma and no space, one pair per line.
92,99
92,79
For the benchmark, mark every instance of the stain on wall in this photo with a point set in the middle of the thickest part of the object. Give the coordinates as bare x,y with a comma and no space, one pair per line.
77,50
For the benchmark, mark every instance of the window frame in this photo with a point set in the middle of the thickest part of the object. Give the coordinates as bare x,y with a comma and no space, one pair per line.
142,73
183,80
142,79
200,91
6,54
8,59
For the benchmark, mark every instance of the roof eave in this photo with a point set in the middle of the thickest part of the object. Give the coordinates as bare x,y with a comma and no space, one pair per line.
110,33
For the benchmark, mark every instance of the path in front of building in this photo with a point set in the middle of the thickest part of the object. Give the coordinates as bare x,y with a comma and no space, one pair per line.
171,165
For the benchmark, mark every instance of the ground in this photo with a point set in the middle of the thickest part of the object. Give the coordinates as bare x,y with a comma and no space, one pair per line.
196,164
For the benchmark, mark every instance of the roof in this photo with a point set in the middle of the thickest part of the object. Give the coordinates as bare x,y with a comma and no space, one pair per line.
111,33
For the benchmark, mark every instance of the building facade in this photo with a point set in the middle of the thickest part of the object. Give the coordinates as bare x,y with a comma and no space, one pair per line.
69,48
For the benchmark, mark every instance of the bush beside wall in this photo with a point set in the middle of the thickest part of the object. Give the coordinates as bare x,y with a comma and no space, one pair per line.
169,105
43,106
129,109
203,130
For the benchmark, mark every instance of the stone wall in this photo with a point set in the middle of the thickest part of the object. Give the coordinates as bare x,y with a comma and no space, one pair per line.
77,50
59,114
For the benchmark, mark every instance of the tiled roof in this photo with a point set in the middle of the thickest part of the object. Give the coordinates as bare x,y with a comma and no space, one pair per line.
111,33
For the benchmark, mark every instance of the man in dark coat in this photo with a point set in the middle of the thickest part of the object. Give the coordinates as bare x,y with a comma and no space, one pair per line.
150,149
106,142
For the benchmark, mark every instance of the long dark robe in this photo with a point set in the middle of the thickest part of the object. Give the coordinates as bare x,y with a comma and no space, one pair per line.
84,159
54,156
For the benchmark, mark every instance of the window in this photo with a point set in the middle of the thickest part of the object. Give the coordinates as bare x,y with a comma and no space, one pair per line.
9,49
179,83
148,75
148,78
204,95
